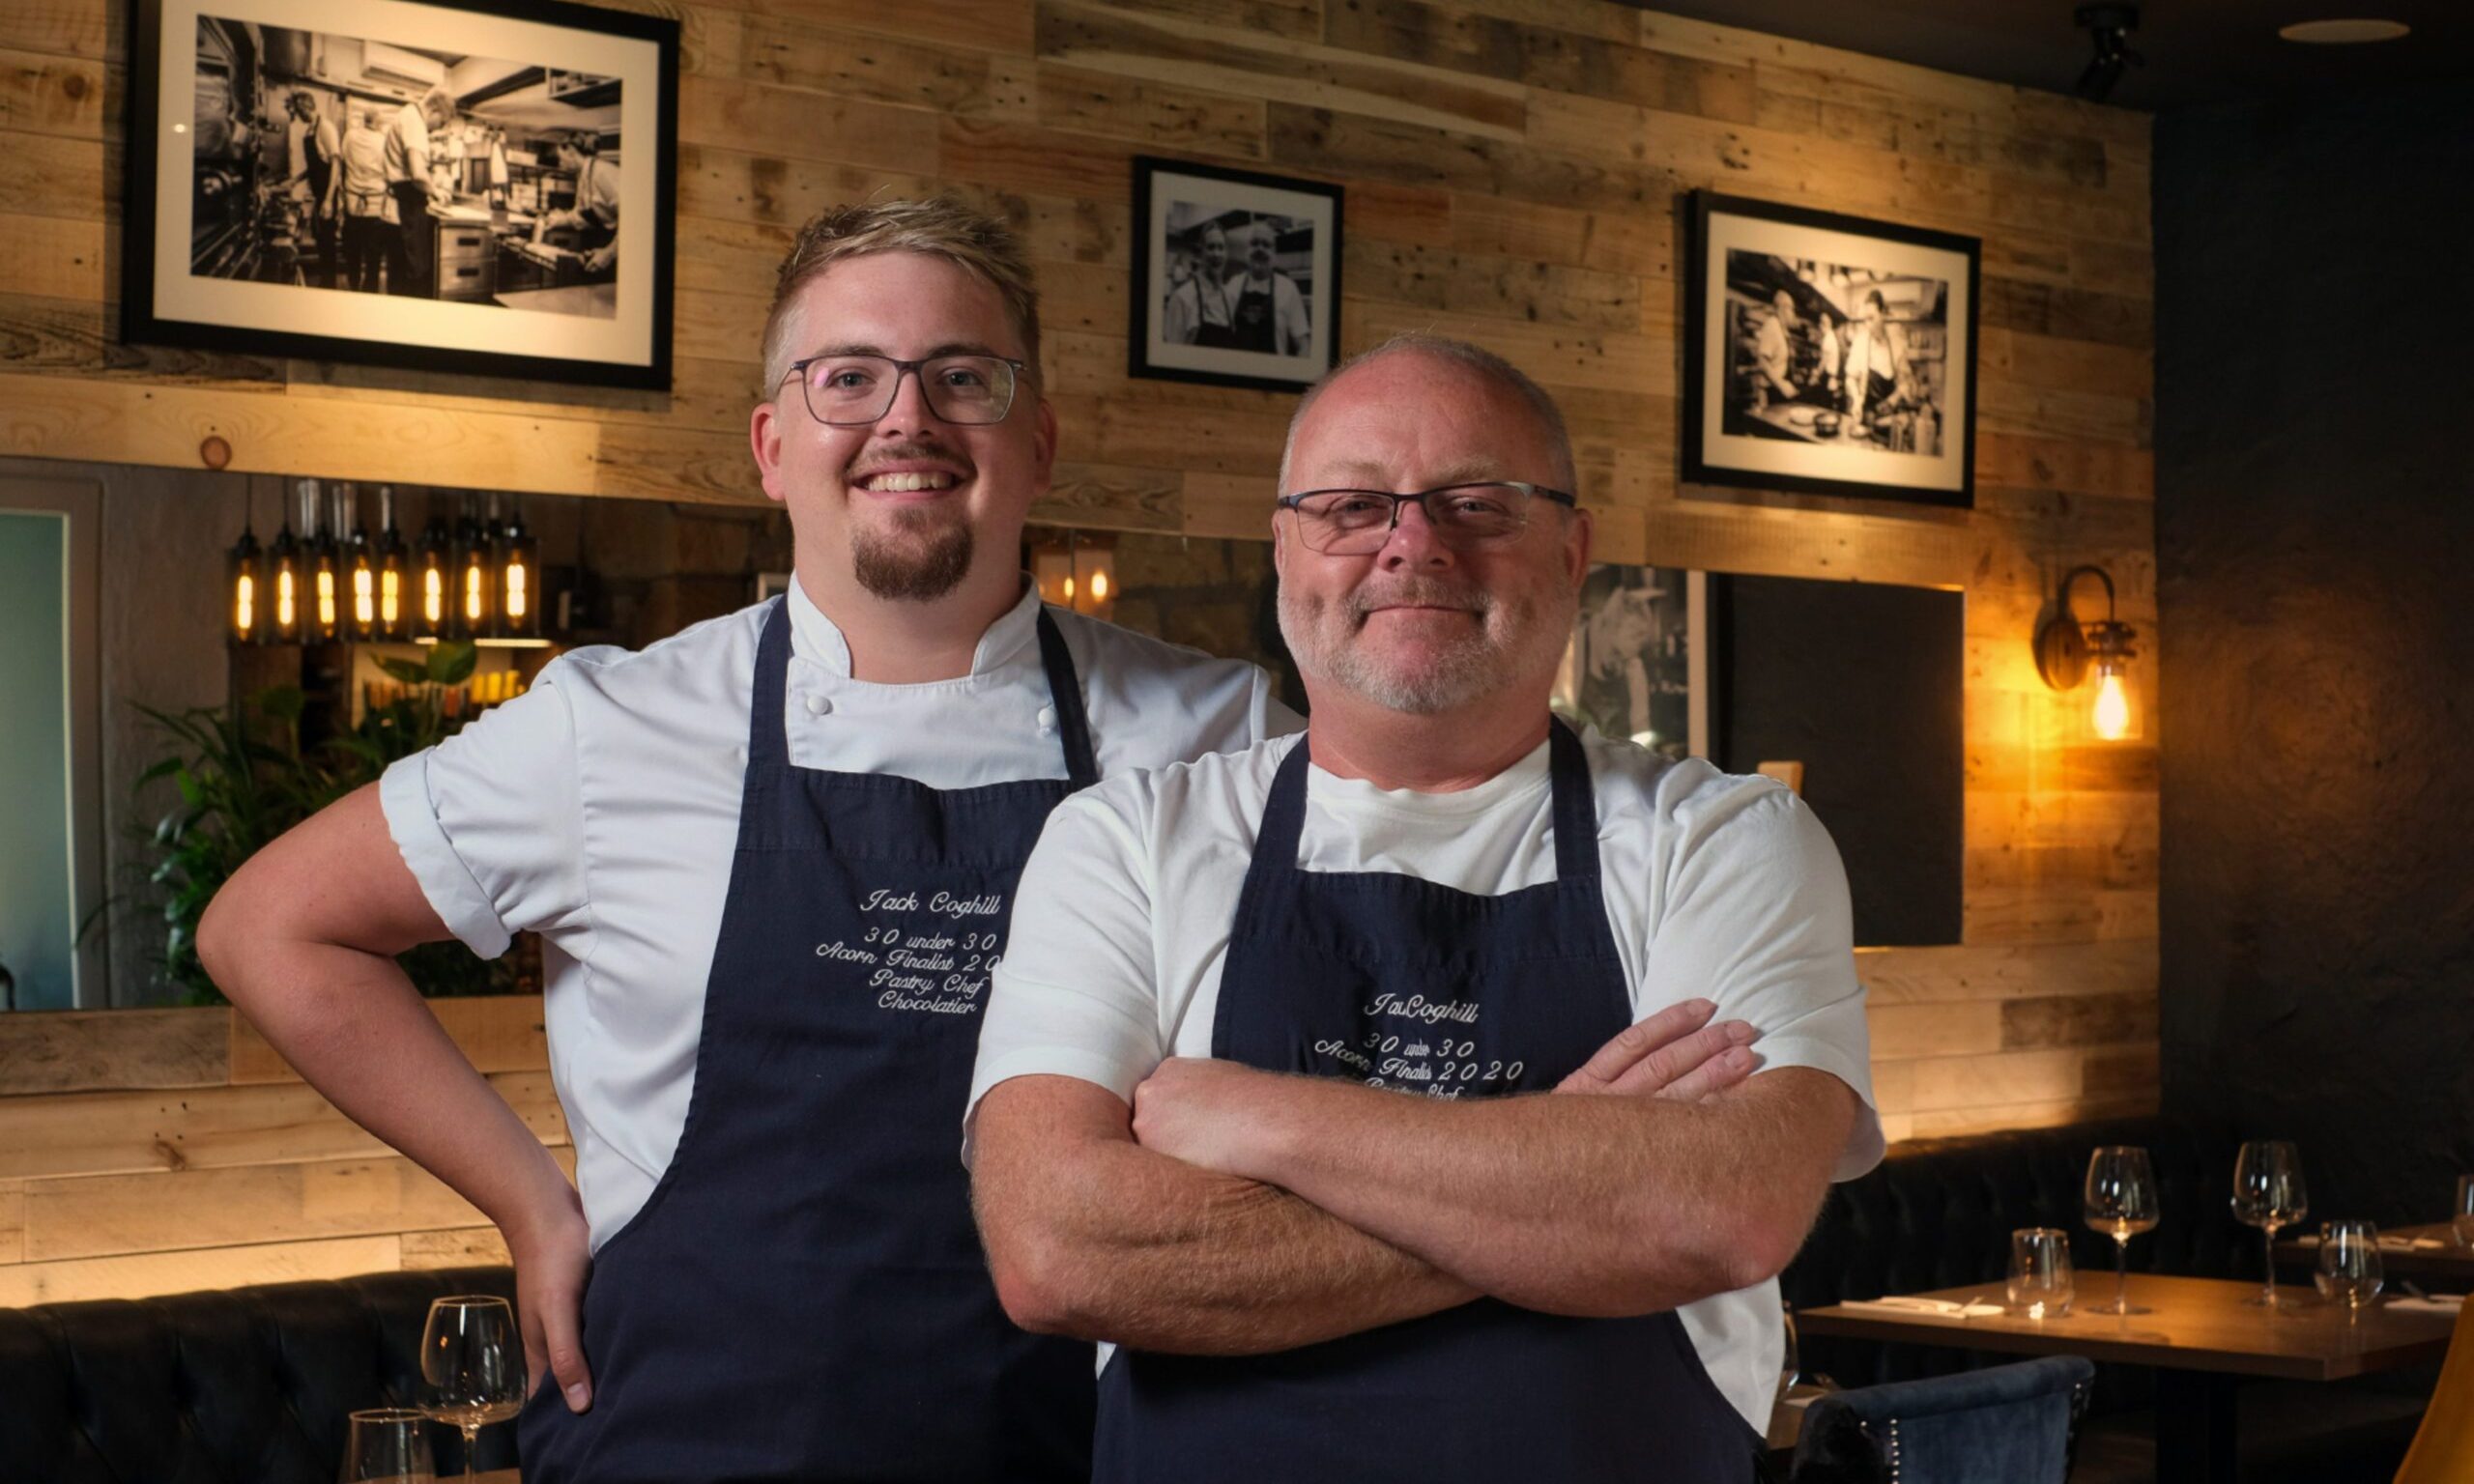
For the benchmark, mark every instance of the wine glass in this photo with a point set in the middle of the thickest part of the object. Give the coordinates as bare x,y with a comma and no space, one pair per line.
472,1366
2349,1265
2269,1193
2120,1202
2461,1220
388,1445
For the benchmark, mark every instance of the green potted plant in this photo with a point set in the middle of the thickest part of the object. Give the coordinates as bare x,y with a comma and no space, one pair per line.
242,779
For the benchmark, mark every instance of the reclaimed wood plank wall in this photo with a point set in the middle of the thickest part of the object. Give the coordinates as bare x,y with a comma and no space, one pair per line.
1513,169
158,1151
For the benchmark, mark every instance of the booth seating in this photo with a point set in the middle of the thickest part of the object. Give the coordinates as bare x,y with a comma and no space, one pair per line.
248,1385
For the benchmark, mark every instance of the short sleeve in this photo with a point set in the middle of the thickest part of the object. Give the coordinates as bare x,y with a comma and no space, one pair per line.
1077,994
1756,917
489,821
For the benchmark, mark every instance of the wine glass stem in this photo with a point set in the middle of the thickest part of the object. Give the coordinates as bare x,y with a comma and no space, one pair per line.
2121,1272
2268,1267
472,1440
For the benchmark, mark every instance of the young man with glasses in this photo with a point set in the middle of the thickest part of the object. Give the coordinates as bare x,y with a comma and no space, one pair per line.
1249,1102
772,862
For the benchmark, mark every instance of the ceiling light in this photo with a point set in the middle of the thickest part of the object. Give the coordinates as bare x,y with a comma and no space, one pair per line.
2109,27
2342,32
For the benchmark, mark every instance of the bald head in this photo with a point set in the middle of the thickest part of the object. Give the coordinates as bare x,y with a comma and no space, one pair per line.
1457,357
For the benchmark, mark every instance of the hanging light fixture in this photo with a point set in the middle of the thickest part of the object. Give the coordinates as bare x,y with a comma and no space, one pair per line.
393,614
2066,649
474,576
519,578
434,574
283,582
359,564
244,573
326,609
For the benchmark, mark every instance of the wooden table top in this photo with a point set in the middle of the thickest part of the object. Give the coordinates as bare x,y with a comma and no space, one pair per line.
2452,1260
2194,1323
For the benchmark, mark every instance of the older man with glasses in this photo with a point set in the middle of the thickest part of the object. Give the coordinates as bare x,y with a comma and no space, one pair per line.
1306,1083
772,861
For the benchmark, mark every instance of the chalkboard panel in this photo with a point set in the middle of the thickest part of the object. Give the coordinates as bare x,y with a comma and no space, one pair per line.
1861,683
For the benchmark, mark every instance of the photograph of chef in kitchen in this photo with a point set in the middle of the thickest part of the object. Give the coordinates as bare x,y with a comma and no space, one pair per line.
340,163
1832,352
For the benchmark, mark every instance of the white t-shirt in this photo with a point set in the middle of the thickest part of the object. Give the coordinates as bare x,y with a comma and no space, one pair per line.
601,808
1715,885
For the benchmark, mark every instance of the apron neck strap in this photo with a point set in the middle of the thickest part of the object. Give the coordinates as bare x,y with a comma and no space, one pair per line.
768,744
1575,809
1575,803
1064,693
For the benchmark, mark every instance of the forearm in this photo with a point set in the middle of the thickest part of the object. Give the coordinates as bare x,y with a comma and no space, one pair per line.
302,939
1091,1235
355,1028
1570,1205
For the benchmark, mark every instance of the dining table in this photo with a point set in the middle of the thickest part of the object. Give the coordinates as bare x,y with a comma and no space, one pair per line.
2435,1254
2202,1335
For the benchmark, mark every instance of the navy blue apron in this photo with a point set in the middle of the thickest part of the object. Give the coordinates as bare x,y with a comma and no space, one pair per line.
803,1296
1406,983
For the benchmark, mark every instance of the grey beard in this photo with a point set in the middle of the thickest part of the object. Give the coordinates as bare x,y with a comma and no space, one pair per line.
922,564
1474,667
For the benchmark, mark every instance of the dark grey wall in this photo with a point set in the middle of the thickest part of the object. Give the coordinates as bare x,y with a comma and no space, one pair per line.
2315,534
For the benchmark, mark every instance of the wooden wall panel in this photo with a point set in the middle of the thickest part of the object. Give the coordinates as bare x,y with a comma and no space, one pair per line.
228,1170
1513,169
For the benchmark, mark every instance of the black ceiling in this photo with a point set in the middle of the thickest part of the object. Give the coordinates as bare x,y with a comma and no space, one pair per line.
2198,51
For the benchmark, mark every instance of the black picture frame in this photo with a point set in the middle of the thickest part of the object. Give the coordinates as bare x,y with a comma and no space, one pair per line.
1280,209
1915,443
322,325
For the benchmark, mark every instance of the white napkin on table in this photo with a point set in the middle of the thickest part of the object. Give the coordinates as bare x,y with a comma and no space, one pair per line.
2435,1303
1946,1309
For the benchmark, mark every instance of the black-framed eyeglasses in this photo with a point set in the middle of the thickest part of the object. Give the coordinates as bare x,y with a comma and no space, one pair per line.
1356,523
853,391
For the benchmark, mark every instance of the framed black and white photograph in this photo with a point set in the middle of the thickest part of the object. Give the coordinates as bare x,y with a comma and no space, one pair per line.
482,185
1638,664
1828,355
1236,276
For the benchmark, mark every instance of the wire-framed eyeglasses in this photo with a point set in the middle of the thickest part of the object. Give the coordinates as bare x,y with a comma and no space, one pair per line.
1356,523
853,391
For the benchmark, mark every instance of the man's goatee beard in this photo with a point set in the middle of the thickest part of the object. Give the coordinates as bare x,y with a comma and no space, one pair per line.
922,561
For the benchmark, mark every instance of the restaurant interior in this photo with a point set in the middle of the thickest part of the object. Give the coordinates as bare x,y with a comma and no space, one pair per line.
2145,754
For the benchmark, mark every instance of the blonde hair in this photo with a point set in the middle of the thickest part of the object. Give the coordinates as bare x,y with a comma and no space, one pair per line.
940,226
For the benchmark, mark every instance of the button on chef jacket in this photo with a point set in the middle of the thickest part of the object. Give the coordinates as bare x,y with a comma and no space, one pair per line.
1717,885
600,809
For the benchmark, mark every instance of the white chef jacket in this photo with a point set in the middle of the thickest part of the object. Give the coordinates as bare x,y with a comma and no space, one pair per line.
601,808
1717,886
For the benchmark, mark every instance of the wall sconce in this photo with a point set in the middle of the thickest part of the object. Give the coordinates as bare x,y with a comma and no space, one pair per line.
245,575
1077,572
2066,649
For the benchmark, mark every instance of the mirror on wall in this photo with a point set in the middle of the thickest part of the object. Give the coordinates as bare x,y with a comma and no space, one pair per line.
1852,692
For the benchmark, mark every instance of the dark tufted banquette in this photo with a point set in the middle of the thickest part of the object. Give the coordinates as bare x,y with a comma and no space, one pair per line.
246,1386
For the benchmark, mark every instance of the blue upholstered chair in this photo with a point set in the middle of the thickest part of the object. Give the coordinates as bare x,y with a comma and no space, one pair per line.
2007,1424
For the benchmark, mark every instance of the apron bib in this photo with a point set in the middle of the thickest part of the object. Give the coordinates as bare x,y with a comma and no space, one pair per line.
1409,984
803,1296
